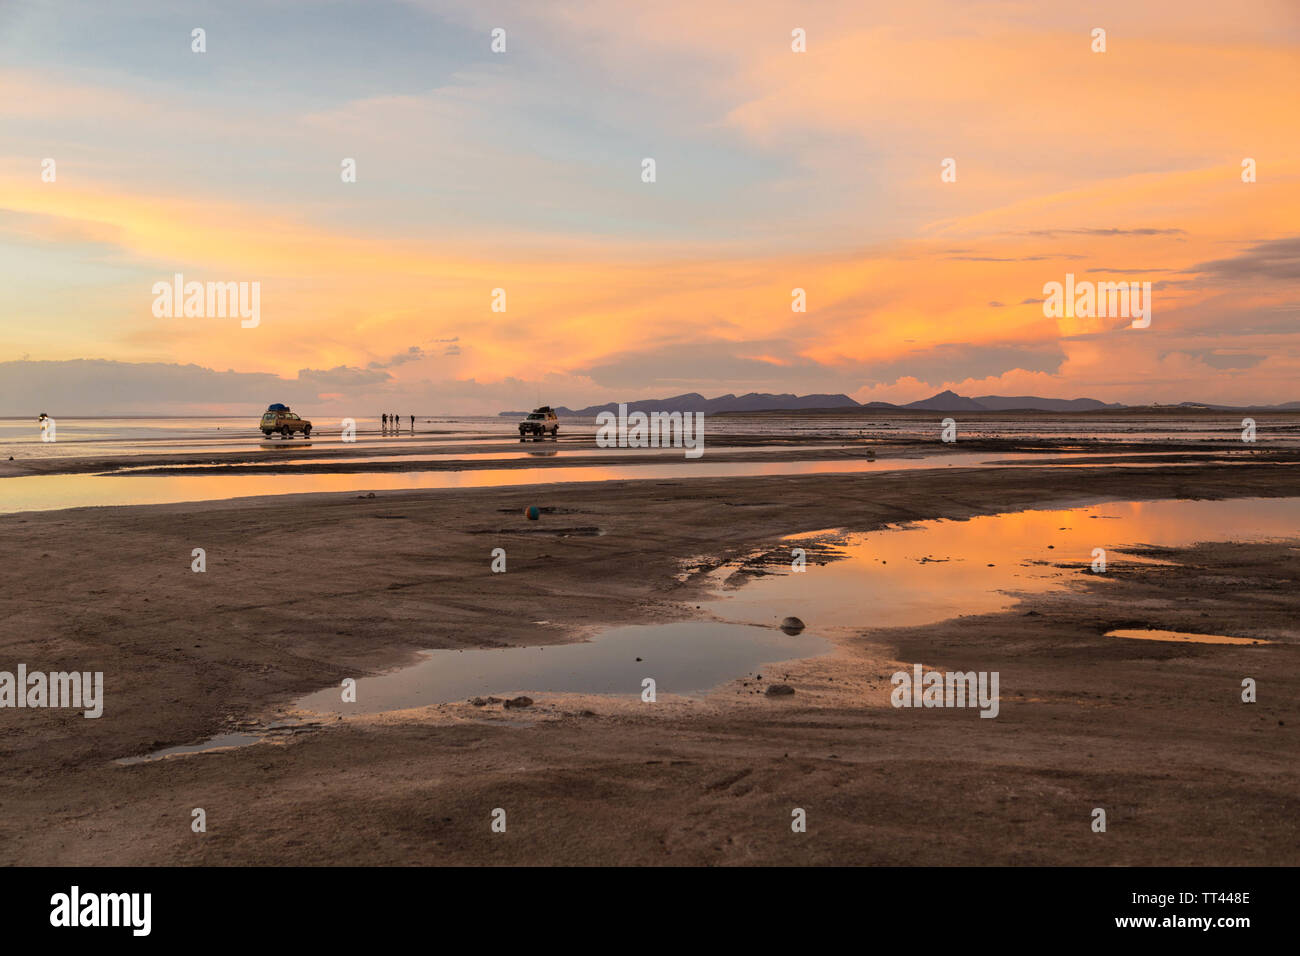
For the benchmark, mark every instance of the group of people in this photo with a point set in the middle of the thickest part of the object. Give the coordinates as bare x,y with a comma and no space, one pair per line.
395,421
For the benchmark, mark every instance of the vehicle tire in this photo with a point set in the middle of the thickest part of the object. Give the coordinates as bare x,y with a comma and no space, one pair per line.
286,432
306,432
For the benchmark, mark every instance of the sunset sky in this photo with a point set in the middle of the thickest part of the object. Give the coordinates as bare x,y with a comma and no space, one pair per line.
522,170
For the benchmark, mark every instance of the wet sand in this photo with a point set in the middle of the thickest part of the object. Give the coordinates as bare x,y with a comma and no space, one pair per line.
301,592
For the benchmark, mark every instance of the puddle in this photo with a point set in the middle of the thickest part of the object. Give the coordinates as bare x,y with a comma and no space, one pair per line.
219,743
902,576
930,571
1183,637
685,658
253,732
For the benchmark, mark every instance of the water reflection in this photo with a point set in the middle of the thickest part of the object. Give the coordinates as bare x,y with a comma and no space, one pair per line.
1182,637
932,571
45,492
903,576
680,658
48,492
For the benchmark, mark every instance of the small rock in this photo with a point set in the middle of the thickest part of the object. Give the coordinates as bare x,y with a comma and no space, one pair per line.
792,625
779,690
519,702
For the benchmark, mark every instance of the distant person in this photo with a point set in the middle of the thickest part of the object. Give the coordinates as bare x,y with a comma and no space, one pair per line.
384,418
412,424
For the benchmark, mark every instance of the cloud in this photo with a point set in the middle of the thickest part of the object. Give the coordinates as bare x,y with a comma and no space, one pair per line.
1123,271
1053,233
1013,258
100,387
412,354
96,386
682,366
1226,360
341,378
476,171
945,363
1273,259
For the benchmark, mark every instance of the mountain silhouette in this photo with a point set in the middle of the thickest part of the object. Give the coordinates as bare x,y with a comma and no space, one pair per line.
945,401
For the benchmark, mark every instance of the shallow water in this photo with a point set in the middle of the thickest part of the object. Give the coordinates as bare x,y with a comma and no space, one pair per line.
931,571
1182,637
51,492
906,576
127,437
531,450
222,742
682,658
78,436
901,576
48,492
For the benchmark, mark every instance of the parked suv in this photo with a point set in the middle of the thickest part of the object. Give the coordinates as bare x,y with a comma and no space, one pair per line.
278,418
539,422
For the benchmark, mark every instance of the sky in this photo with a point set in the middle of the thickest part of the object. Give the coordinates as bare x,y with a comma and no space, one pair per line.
522,171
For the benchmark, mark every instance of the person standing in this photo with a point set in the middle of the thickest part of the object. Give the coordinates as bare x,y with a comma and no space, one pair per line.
384,418
412,424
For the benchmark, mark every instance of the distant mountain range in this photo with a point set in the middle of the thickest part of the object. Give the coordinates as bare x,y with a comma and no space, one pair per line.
945,401
952,402
695,402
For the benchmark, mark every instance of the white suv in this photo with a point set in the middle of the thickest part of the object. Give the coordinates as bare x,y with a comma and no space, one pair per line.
539,422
